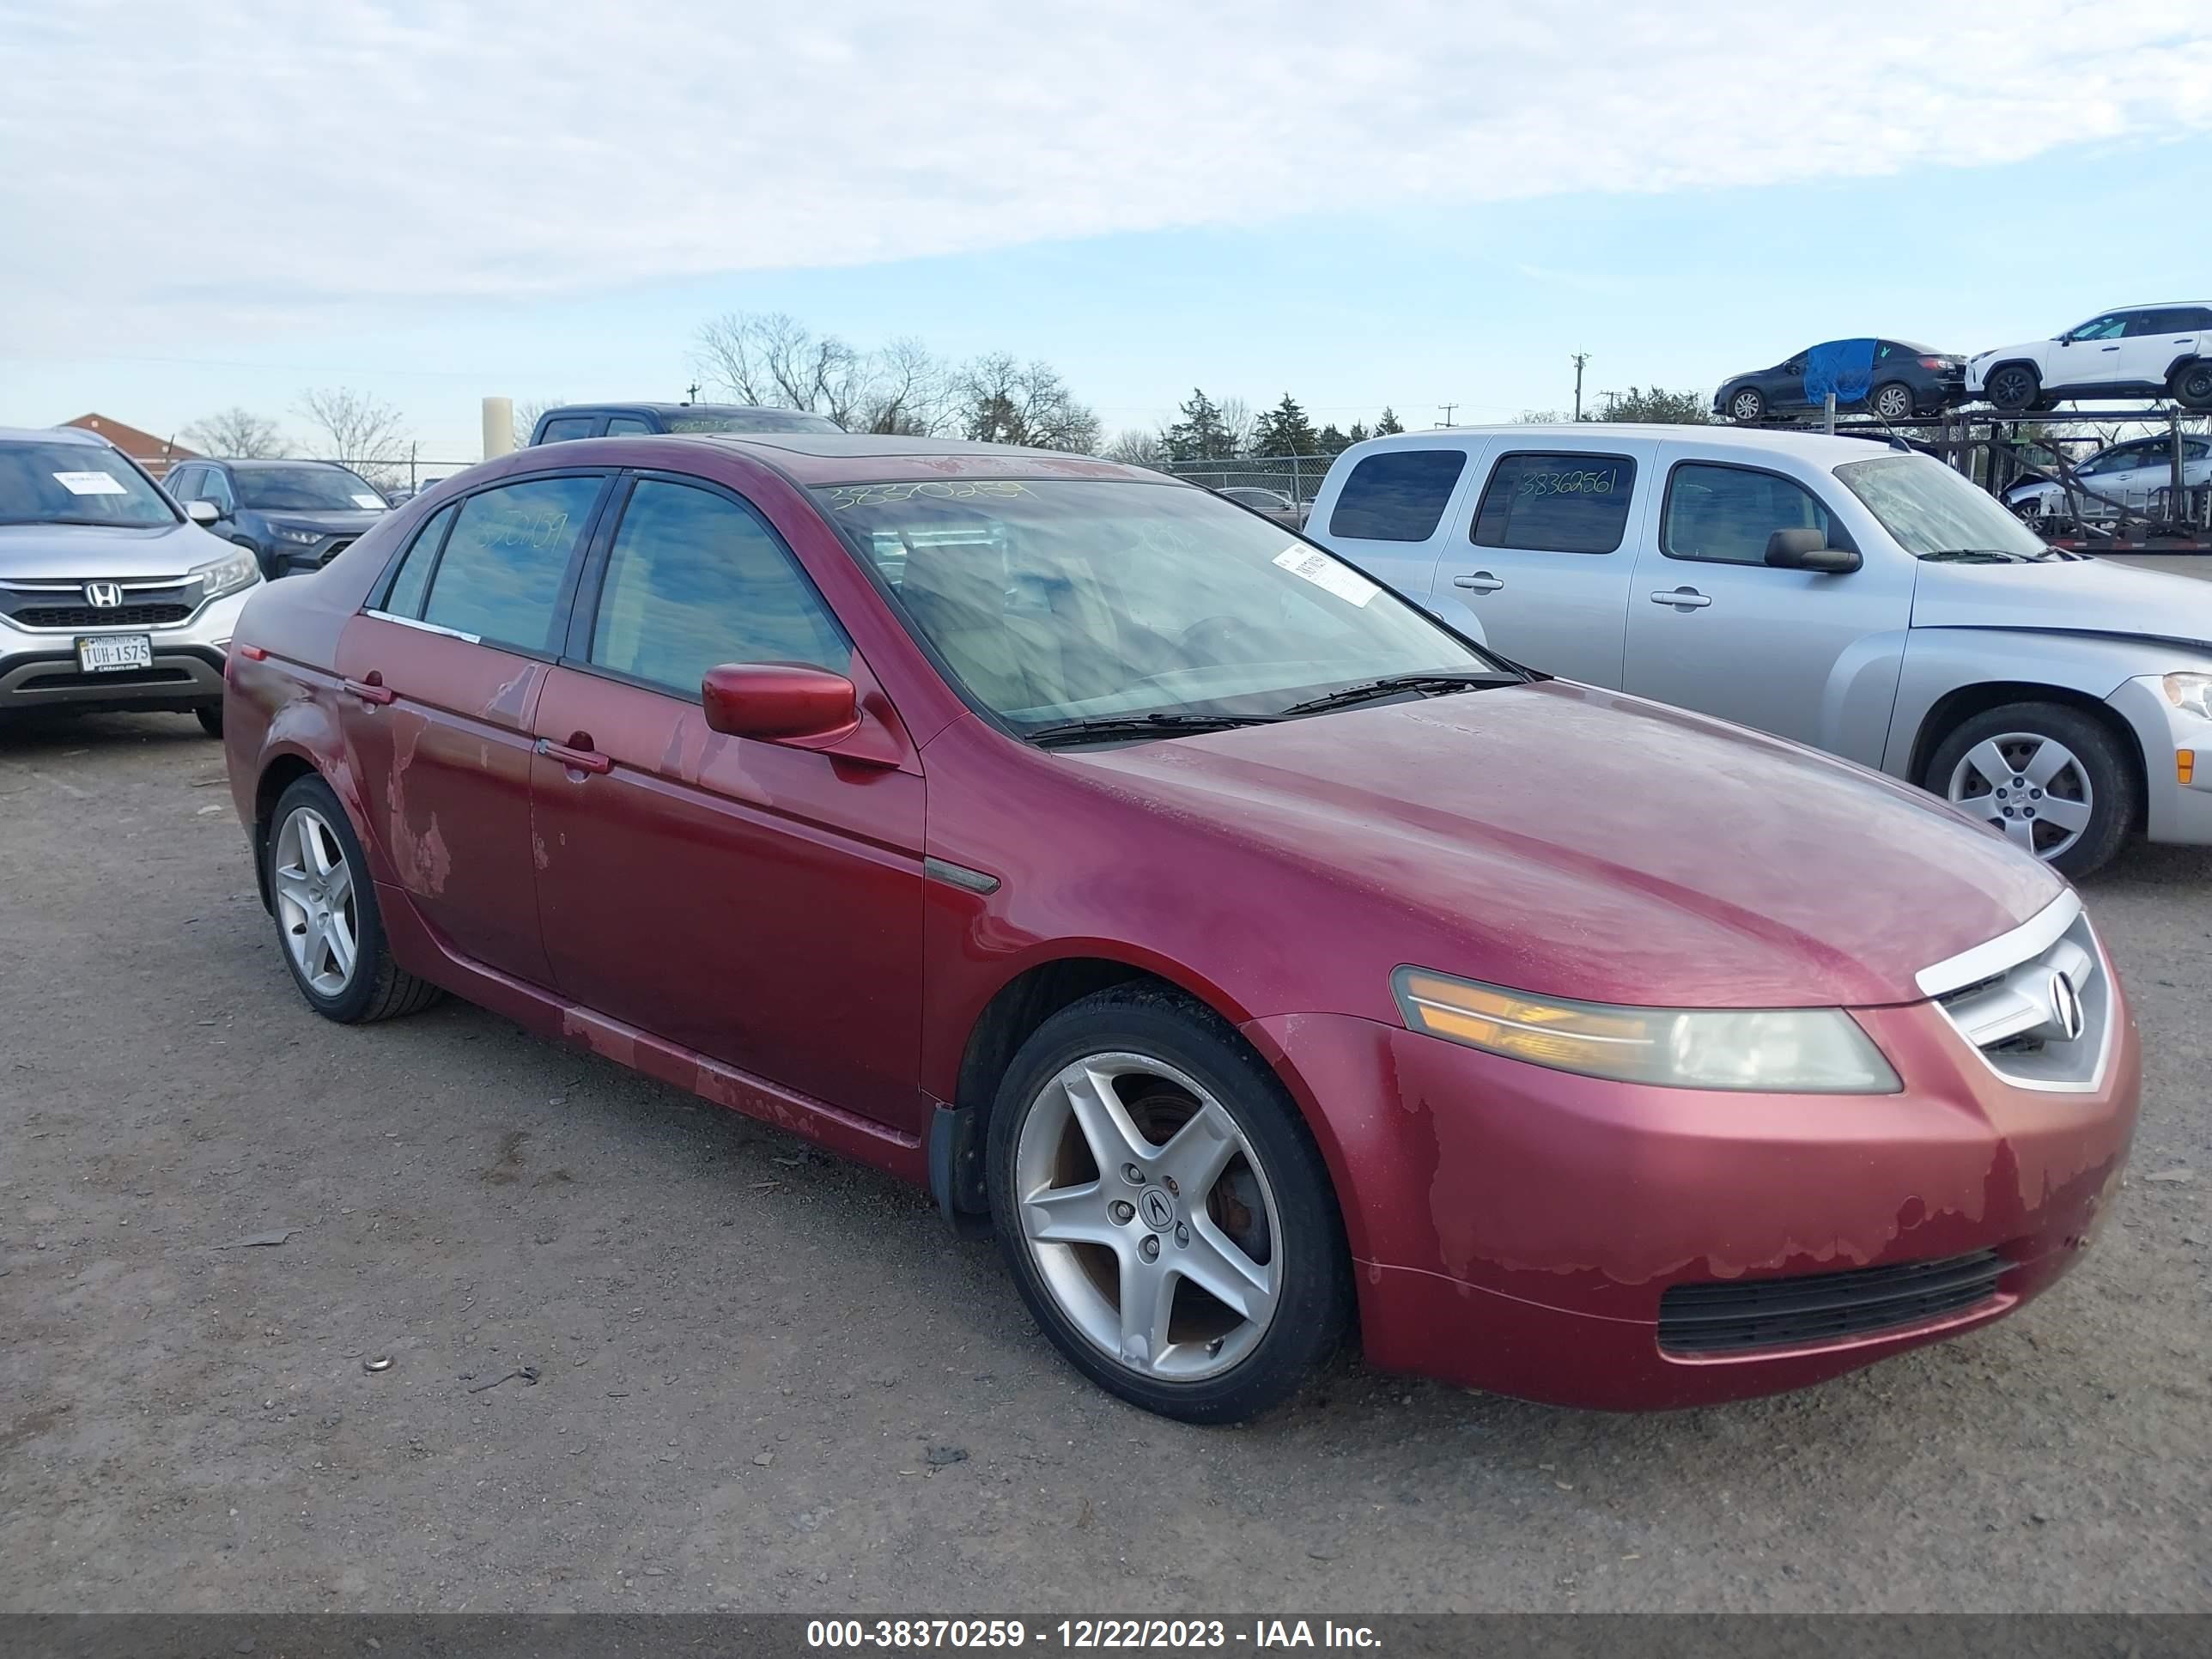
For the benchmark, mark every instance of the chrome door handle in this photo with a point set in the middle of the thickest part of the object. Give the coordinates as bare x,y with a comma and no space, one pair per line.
1684,599
1481,582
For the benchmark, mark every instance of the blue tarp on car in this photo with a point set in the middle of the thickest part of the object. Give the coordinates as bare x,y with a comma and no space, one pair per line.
1843,367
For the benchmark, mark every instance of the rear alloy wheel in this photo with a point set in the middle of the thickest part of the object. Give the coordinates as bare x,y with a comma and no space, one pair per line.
1893,401
2014,386
2192,384
2051,778
1746,404
1165,1213
326,915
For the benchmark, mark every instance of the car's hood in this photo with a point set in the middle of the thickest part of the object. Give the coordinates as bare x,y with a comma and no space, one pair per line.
327,523
1573,841
50,552
2070,596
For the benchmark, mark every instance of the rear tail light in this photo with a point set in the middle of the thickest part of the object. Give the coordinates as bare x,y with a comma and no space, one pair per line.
1937,362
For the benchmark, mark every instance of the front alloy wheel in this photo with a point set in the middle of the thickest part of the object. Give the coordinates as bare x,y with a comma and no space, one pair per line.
1746,405
1145,1209
2052,780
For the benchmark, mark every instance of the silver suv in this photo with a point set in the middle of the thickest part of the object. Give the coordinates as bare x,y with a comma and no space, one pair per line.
110,597
1865,600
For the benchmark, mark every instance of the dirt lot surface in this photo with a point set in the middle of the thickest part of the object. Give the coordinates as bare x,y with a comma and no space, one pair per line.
770,1381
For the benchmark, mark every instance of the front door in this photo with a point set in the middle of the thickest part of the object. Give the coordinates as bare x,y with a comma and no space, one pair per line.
1713,627
754,904
1543,565
441,677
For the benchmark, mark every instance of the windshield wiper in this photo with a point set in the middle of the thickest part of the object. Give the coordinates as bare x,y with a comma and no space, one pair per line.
1979,555
1140,725
1438,685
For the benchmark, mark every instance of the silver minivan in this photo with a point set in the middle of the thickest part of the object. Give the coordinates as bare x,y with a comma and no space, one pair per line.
1865,600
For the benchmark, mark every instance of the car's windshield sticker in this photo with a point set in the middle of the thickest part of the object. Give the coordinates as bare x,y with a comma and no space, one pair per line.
369,503
1326,575
884,495
91,484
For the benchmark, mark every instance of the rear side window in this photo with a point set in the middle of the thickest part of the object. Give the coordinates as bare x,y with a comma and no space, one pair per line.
1724,514
501,572
1556,503
406,598
695,580
622,424
569,426
1397,496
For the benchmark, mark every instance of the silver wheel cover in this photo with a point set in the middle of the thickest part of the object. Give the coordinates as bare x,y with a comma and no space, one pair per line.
1148,1216
2031,786
316,909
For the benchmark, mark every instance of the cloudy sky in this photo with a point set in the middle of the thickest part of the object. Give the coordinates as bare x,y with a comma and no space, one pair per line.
1393,202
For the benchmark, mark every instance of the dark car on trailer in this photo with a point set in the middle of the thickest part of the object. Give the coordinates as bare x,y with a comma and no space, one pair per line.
1895,380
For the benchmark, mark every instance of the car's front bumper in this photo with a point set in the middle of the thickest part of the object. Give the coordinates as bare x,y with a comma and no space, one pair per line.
1514,1229
38,667
2173,811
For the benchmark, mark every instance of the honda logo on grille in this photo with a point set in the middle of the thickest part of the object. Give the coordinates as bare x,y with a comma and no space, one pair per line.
103,596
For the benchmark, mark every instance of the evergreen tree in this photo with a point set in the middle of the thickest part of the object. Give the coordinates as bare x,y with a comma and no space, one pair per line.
1331,441
1358,434
1388,427
1284,430
1200,435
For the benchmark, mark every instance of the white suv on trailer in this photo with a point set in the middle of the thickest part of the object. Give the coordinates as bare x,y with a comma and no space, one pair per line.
2142,351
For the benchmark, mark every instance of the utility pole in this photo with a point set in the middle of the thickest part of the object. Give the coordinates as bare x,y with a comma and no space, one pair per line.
691,393
1581,357
1446,409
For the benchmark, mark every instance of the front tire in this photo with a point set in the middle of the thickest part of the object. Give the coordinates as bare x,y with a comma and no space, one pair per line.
2053,780
210,715
1747,405
1893,401
327,923
2014,387
1163,1210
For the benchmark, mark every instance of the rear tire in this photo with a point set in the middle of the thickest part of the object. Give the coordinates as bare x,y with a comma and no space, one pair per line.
327,923
1893,401
210,715
2014,387
2052,780
2192,385
1207,1176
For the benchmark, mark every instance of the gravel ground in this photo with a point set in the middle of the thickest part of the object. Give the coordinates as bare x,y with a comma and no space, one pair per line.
771,1381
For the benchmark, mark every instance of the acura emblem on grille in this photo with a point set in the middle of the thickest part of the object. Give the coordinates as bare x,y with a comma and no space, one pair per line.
103,596
2065,1006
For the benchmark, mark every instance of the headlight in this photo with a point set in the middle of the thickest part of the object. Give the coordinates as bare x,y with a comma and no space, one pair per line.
306,537
227,574
2190,691
1775,1050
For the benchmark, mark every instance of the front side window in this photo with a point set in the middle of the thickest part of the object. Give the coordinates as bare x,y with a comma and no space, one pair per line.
1066,600
507,558
1934,514
1397,496
2102,328
77,483
2113,460
1556,503
695,580
215,487
306,490
1725,515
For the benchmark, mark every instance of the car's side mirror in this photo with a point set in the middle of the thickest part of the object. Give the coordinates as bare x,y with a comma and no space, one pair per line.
1808,549
789,703
203,512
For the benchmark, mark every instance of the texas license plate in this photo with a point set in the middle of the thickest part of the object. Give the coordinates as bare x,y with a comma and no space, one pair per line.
107,652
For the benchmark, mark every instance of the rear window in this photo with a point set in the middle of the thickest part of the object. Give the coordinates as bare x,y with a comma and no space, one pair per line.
1397,496
1556,503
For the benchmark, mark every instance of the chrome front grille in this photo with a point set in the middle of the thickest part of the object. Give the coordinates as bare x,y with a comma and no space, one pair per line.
2035,1004
64,607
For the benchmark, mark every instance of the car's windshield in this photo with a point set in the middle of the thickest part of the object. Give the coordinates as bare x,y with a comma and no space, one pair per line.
77,483
305,490
1075,600
746,420
1933,512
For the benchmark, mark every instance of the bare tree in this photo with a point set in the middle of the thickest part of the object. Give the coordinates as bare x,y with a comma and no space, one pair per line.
1137,447
1006,401
527,413
1237,423
364,432
774,360
235,434
909,392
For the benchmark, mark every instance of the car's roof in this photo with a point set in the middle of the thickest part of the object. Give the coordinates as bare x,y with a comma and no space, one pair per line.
816,457
672,408
275,461
52,435
1818,447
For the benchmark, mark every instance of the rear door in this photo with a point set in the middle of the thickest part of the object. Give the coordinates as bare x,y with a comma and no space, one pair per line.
441,675
754,904
1713,627
1543,562
1393,511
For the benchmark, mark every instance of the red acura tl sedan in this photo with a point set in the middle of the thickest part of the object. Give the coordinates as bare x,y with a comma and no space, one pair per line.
1257,955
